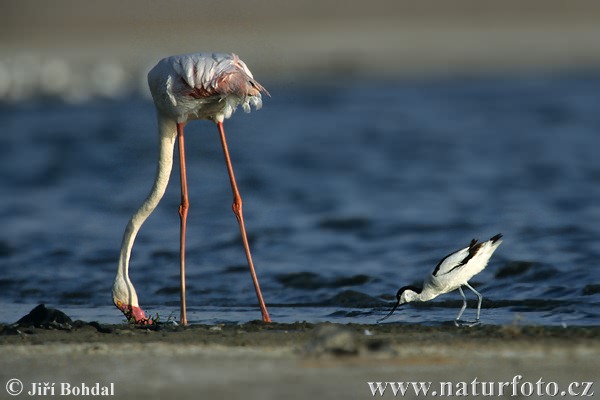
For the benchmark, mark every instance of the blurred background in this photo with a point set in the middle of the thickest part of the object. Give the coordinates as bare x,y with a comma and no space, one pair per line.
58,47
396,132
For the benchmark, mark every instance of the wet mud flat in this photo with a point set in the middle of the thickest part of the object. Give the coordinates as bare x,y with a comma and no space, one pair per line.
300,360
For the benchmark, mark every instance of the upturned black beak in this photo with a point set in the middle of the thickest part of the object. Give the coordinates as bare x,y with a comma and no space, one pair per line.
391,312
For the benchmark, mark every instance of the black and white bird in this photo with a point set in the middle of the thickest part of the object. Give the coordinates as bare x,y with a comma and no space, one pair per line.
451,273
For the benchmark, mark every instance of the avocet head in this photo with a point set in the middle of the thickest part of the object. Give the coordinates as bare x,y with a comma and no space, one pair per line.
405,295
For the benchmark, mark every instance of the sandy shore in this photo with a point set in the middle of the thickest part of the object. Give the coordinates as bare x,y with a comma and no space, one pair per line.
298,361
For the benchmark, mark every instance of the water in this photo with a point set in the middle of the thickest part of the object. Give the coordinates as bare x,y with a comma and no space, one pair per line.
350,191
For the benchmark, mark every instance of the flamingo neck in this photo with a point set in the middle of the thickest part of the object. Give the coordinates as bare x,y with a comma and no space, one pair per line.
124,295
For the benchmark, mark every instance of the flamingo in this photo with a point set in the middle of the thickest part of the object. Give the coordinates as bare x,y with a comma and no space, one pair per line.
200,86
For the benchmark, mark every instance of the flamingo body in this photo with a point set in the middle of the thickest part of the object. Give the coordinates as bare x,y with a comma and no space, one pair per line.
203,86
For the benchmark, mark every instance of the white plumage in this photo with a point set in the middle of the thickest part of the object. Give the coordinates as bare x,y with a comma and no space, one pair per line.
203,86
451,273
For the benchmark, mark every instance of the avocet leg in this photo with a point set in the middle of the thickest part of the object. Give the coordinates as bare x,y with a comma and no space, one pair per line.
462,310
479,297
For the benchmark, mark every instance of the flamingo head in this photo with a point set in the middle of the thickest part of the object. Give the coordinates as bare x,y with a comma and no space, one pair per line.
133,313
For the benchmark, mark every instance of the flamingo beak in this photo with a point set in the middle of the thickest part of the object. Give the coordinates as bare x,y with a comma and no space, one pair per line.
134,313
391,312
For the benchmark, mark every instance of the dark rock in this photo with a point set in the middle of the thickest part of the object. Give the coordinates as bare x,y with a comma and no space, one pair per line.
46,318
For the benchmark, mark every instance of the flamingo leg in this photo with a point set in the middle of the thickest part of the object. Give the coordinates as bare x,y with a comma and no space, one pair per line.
237,210
183,212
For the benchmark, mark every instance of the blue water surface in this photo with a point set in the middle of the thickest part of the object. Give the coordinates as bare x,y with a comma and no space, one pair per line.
350,191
